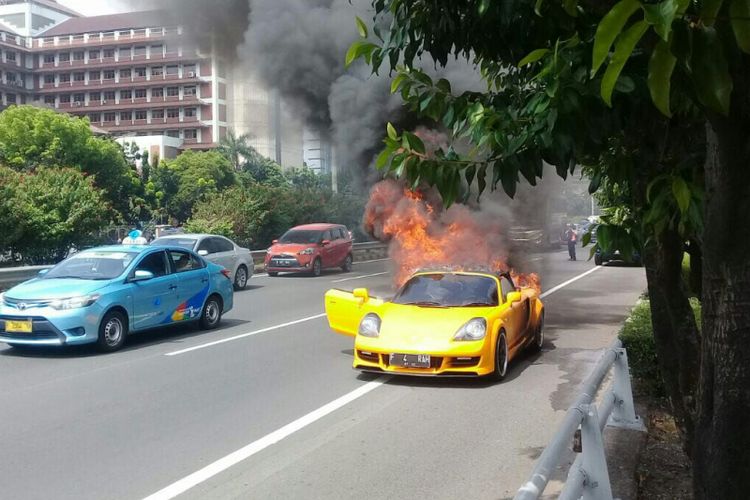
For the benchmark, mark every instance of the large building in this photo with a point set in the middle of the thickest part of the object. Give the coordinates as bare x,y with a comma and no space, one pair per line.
134,75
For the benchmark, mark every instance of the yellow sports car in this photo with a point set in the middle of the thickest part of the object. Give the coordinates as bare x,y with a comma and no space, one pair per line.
440,323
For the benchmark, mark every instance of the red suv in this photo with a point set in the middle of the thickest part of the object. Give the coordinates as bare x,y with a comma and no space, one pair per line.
311,248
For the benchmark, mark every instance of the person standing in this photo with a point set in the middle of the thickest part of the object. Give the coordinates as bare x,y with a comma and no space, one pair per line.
571,237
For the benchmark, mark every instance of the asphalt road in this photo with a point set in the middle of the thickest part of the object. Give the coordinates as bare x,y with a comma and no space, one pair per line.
271,405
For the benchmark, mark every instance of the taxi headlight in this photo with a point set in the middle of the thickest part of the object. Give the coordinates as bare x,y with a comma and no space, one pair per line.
74,302
370,326
474,329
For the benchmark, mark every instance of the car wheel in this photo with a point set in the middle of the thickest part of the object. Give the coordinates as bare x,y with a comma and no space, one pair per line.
211,315
112,332
272,274
347,265
501,358
317,267
598,260
538,343
240,278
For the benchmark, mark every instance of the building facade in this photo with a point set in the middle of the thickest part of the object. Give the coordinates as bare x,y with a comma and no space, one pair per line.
130,74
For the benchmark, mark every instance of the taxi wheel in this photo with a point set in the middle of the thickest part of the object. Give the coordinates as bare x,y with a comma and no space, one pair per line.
211,316
240,278
317,267
112,332
501,358
347,265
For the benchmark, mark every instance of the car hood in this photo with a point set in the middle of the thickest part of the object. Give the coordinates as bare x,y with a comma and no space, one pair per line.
38,288
290,248
425,325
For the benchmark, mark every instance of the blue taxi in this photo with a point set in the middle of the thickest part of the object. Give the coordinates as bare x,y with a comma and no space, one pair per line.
103,294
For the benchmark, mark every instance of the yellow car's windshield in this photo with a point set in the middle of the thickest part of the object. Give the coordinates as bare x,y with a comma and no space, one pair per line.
448,290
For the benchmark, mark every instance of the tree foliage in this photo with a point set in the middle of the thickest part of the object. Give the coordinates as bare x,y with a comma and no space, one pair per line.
235,147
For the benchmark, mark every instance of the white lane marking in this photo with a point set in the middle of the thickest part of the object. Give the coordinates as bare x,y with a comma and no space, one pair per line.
368,261
566,283
243,335
263,275
359,277
251,449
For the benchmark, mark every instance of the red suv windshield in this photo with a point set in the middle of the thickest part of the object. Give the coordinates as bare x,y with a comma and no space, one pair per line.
301,236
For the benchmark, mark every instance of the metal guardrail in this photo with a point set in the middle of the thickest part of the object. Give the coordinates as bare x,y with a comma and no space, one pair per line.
588,476
12,276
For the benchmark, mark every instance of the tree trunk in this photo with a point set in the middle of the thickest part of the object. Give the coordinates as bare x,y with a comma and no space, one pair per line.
675,331
722,453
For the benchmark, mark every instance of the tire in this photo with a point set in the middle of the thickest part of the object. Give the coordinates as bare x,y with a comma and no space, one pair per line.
317,267
598,259
112,332
347,265
538,343
240,278
272,274
501,358
211,314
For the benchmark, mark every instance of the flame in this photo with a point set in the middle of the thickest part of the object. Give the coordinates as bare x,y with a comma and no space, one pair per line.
421,234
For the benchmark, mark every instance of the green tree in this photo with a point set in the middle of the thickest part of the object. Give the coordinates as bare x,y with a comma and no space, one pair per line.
34,138
263,170
180,183
235,148
674,91
307,178
50,211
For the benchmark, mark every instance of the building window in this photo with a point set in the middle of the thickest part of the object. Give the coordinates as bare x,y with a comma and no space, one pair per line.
95,117
10,57
157,71
125,53
65,98
157,50
140,93
188,91
173,91
49,78
126,115
109,95
79,56
79,77
189,71
125,33
95,96
173,70
64,57
157,114
49,99
64,77
191,133
95,75
93,54
125,73
140,72
49,58
140,51
141,114
173,133
159,92
109,74
109,53
126,94
10,98
173,113
109,117
79,97
190,112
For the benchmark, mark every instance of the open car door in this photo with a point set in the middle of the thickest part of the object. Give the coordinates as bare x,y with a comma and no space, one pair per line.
346,309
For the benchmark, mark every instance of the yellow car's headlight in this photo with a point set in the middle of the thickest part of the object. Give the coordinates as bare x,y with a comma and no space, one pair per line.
370,326
474,329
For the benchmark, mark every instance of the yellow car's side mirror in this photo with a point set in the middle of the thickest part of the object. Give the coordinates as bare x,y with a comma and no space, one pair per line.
513,297
362,294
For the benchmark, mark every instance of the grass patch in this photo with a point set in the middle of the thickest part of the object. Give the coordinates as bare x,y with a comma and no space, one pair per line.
637,336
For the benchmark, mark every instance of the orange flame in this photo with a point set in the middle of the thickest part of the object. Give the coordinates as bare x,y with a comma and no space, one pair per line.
421,234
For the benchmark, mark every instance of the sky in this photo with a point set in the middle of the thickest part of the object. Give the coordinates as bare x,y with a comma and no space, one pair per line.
95,7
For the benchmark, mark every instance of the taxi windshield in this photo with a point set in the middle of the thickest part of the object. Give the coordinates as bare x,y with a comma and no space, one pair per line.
92,265
448,290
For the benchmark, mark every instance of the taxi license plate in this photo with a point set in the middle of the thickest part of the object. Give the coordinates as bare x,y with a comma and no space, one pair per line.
18,326
410,360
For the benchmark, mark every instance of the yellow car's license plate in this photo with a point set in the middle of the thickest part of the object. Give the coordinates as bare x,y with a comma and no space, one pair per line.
18,326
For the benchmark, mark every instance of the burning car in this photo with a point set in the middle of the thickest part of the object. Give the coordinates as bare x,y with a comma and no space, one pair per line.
451,323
